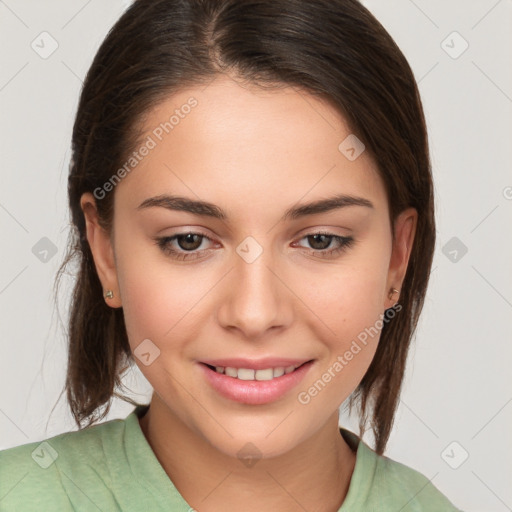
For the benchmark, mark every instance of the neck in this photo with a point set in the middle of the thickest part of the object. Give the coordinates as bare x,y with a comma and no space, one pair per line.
315,475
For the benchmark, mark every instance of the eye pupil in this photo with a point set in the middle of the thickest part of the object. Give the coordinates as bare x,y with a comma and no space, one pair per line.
316,239
189,240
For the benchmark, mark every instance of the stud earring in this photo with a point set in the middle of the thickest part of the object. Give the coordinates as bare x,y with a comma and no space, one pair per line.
392,292
109,294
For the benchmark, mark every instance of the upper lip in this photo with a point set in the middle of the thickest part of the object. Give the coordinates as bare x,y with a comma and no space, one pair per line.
256,364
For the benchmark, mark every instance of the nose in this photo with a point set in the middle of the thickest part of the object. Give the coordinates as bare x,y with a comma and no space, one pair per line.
256,298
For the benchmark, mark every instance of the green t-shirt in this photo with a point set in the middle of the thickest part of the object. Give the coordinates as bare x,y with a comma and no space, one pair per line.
111,466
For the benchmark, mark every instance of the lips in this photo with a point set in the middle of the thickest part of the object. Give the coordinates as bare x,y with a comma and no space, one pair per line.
249,391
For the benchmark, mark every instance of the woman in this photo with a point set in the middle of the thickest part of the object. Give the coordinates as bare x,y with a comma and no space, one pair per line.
251,194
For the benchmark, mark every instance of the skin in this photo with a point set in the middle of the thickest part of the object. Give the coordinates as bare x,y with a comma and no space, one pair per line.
254,153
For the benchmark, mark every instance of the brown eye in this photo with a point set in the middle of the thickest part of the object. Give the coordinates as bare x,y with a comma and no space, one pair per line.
319,242
187,243
182,246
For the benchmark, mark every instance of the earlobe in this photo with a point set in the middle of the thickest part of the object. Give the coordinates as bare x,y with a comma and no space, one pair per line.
405,231
102,251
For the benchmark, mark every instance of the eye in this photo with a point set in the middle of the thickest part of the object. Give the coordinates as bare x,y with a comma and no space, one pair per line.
323,240
188,244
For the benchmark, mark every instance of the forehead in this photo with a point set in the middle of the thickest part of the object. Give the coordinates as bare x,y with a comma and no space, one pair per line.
248,149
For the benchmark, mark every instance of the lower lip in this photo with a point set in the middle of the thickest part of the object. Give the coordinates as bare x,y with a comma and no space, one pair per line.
254,392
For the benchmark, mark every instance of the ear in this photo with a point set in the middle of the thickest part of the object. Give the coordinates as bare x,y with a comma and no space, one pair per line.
405,230
102,250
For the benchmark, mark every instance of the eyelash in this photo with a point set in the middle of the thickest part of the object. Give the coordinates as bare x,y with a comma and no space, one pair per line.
164,244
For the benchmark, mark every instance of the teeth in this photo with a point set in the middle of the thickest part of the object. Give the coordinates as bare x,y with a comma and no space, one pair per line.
267,374
231,372
248,374
278,371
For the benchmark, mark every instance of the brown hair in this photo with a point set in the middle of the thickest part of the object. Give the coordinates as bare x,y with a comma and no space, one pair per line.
332,48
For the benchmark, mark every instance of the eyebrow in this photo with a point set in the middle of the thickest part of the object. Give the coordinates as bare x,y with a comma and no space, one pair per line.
204,208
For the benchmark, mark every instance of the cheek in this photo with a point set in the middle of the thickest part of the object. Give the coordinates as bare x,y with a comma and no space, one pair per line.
153,307
346,302
349,304
347,296
154,296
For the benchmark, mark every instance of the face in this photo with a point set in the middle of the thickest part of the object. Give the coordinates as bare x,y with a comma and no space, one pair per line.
240,278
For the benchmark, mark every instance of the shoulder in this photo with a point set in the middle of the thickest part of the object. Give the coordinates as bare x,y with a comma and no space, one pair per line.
54,472
382,484
409,488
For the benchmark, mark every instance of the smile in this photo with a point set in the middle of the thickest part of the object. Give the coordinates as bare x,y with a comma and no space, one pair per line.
254,386
250,374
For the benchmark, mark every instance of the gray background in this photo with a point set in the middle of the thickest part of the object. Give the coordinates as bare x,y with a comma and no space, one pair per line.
454,422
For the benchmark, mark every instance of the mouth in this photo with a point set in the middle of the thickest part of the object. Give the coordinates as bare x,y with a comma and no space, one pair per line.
253,386
251,374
